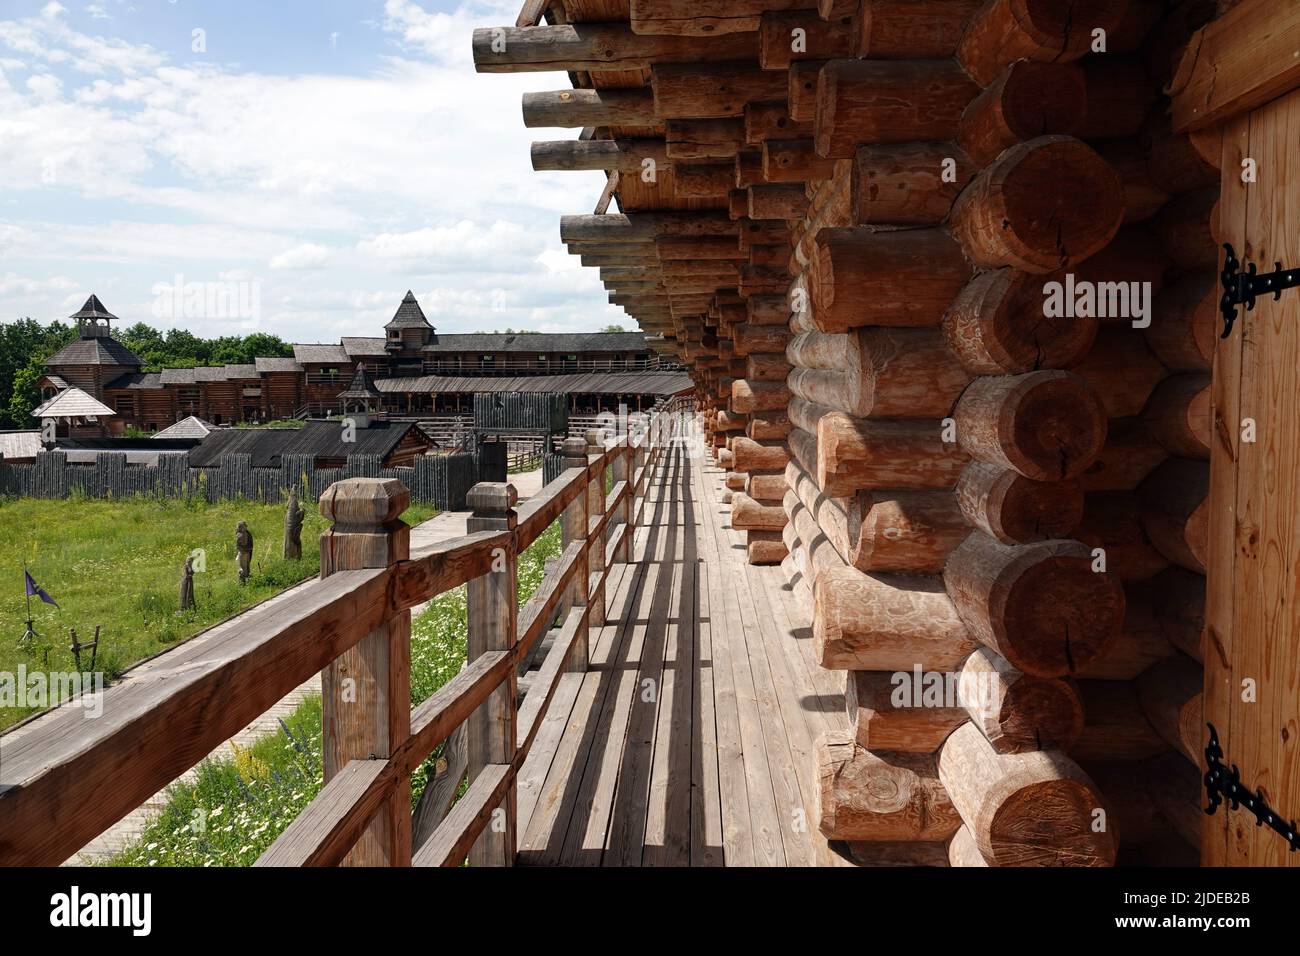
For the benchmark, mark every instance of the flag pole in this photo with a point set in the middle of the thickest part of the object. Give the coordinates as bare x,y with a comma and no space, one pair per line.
29,636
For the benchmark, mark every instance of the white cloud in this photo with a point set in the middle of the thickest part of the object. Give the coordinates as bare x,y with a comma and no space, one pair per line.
309,255
416,174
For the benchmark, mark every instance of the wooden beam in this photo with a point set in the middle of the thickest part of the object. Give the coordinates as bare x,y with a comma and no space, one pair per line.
1245,59
595,47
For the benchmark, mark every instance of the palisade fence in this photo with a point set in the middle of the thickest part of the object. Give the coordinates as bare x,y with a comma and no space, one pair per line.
438,480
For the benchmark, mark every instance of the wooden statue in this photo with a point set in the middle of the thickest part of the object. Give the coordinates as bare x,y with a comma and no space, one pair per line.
187,586
244,550
293,517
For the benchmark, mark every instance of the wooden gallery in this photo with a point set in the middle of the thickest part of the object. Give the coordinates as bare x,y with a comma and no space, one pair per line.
946,277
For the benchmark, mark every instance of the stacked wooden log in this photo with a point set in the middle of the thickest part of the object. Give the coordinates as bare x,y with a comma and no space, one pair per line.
887,237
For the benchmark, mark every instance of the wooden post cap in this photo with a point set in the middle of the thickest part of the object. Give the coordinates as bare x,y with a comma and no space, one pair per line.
596,437
364,502
574,448
491,498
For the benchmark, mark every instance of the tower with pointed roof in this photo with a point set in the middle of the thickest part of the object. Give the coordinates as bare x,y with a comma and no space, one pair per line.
408,331
361,401
95,359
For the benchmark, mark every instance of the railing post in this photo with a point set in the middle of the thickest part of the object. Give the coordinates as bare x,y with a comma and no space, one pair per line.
493,605
573,527
596,545
366,691
623,473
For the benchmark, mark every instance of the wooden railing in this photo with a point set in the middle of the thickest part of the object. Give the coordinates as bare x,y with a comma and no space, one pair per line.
67,780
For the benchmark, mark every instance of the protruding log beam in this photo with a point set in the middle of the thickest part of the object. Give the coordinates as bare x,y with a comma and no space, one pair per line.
1178,414
1188,227
1014,509
685,248
1184,323
907,183
1028,99
1141,642
751,339
764,547
787,37
768,426
1056,31
1112,521
577,109
887,622
1015,213
750,515
902,711
996,326
689,19
909,29
801,90
1175,511
1120,95
860,277
644,226
1039,605
1016,712
872,796
1030,809
905,531
884,101
713,89
1115,727
749,397
1121,371
754,455
855,454
766,487
1045,425
593,46
764,121
704,139
794,161
1170,695
784,202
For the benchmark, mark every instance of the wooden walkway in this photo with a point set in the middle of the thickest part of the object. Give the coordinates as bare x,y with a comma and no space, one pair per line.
691,738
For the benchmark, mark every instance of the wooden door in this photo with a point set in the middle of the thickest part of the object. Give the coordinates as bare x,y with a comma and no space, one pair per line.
1252,636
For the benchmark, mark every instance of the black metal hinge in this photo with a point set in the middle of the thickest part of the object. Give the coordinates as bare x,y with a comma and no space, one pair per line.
1241,288
1223,782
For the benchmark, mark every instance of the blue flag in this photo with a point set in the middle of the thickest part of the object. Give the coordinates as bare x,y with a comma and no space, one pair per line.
35,590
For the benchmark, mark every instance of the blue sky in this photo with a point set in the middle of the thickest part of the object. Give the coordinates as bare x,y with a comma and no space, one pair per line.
325,156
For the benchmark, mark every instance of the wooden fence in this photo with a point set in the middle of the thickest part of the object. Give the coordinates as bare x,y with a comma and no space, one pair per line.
439,480
68,779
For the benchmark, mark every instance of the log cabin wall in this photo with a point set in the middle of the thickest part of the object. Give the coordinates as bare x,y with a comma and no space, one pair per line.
855,218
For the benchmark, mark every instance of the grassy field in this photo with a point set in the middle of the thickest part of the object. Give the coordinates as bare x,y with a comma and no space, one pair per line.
117,564
236,806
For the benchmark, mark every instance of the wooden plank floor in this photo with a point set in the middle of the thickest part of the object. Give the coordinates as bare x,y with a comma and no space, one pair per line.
691,738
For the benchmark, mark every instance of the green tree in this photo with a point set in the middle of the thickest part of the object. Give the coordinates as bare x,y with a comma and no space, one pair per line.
613,328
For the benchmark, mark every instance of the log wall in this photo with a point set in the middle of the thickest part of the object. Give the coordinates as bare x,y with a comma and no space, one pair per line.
945,281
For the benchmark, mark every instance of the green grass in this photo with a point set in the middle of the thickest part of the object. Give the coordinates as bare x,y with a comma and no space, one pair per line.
117,564
236,806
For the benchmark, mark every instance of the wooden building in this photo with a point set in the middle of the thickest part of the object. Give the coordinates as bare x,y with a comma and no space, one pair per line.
418,371
943,273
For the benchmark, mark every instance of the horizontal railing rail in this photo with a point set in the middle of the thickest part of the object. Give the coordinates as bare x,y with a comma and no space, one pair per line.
66,779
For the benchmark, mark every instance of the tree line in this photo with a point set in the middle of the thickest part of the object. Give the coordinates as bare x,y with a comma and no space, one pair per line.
26,344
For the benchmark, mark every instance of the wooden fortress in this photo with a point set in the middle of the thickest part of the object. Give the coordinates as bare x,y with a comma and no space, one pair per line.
944,273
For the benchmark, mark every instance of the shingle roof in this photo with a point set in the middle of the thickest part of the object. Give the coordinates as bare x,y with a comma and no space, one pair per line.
586,383
264,365
178,376
318,439
363,345
137,380
409,315
72,403
19,445
192,427
320,354
99,350
539,342
94,309
362,386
